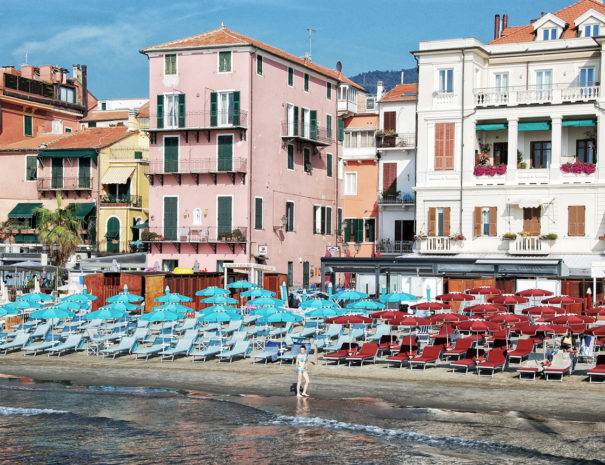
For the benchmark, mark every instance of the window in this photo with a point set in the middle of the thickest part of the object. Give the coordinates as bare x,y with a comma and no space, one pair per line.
444,146
350,183
27,125
31,168
549,33
197,216
92,124
289,216
369,228
322,220
224,108
67,129
306,85
591,30
446,80
138,155
103,106
169,64
501,82
485,221
258,213
440,221
329,161
290,77
329,90
329,126
259,65
224,62
500,153
540,154
576,219
171,154
544,84
67,94
307,160
290,157
586,150
370,103
587,77
306,123
354,230
220,265
172,107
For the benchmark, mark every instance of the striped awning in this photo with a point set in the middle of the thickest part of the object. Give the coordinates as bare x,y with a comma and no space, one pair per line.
117,175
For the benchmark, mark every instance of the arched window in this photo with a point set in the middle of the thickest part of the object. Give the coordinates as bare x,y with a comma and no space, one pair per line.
197,216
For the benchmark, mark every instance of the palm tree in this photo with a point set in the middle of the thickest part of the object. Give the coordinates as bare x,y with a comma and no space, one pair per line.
59,231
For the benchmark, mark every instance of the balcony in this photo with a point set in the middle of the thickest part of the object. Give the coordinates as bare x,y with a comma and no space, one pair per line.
306,134
396,199
396,141
386,246
196,236
534,95
440,245
347,106
134,201
529,245
197,166
64,184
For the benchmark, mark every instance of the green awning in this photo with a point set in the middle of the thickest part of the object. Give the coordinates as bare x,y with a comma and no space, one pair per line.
82,210
65,153
579,123
23,210
144,225
26,239
491,127
534,126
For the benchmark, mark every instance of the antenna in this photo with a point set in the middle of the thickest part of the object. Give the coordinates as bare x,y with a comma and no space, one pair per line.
26,54
310,32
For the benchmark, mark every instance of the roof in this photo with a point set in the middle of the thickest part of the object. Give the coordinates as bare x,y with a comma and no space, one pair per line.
361,122
144,111
91,138
107,115
225,36
520,34
401,93
32,143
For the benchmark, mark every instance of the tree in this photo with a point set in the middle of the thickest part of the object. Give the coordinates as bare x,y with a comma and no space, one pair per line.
59,231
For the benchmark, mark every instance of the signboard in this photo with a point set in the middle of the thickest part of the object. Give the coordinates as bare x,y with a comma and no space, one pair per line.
333,250
263,250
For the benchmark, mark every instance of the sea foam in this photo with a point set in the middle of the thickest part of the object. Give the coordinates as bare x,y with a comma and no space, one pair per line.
27,412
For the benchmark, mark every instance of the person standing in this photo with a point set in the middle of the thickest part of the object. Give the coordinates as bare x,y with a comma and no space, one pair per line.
303,375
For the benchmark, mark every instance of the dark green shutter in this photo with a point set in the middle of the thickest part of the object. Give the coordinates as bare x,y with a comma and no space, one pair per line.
181,110
348,231
84,172
171,155
289,216
306,78
290,76
329,90
329,126
296,121
224,216
323,220
358,230
235,110
160,111
339,221
290,157
225,153
258,213
328,221
313,124
314,222
341,130
371,227
32,168
113,235
138,155
306,274
27,125
213,109
57,173
170,218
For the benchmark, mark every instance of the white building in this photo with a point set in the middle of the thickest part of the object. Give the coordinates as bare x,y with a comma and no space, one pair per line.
114,112
396,145
507,140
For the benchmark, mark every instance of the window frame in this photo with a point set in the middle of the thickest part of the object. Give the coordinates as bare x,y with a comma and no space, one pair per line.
27,158
31,125
353,175
259,61
288,147
306,82
329,165
547,33
329,90
262,207
586,147
290,76
290,219
218,64
444,80
592,27
176,69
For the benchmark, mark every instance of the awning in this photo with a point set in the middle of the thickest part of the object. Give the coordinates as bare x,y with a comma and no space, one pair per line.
143,225
24,210
26,239
491,127
579,123
527,202
65,153
117,175
82,210
534,126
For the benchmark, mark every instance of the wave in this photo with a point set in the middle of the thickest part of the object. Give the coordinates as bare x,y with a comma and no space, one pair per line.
27,412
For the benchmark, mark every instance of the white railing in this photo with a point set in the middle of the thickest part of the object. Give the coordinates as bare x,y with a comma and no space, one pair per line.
443,98
529,245
555,93
439,245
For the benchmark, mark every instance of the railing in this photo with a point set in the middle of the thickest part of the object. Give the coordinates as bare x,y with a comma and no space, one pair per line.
554,93
128,153
398,247
64,184
385,198
307,132
195,165
439,245
529,245
198,120
195,235
117,200
443,98
402,140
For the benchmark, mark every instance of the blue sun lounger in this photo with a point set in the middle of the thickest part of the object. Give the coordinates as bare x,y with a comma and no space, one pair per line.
20,340
240,349
72,343
214,347
124,347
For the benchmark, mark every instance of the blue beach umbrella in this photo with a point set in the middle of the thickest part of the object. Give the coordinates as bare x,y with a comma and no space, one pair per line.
212,291
266,302
83,296
365,304
242,284
120,307
258,292
349,294
173,307
9,310
170,297
398,297
219,308
219,317
281,317
219,299
52,313
264,311
317,303
106,313
37,297
21,305
162,315
324,312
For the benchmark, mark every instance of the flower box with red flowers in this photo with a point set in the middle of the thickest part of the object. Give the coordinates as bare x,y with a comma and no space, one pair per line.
578,167
489,170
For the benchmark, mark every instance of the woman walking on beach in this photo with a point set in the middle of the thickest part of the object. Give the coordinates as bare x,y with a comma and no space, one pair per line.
301,369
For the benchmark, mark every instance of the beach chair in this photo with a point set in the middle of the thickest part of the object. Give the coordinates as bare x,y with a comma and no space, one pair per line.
346,350
386,342
41,331
522,351
280,332
599,369
290,355
357,332
271,352
240,349
367,353
403,352
140,351
233,326
495,360
529,369
460,348
189,323
124,347
560,366
20,340
332,330
342,339
381,331
35,348
183,346
465,362
430,356
214,347
72,343
310,329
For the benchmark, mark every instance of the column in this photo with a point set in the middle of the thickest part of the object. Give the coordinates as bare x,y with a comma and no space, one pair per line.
377,281
600,140
555,154
513,143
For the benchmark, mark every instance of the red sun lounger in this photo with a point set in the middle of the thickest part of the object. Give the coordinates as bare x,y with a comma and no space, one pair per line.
345,351
523,350
367,353
461,348
430,355
599,370
496,359
465,363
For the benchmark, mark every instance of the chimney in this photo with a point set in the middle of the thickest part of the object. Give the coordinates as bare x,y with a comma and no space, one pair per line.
27,71
504,23
133,123
80,76
402,75
379,90
497,30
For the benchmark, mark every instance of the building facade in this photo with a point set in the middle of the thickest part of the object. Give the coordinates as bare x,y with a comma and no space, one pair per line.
113,112
243,155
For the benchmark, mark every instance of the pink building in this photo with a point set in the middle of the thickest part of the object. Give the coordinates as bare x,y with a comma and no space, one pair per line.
243,155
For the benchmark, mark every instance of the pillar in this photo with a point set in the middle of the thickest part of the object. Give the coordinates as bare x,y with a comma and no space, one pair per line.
556,144
377,281
513,144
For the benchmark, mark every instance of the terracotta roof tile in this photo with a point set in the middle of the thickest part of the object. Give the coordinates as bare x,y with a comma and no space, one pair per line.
143,112
402,93
32,143
520,34
91,138
106,115
361,122
225,36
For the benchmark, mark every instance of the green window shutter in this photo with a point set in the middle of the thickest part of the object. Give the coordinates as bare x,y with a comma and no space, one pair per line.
296,121
371,229
170,218
171,155
348,230
313,121
27,125
160,111
138,155
306,274
359,231
31,168
328,220
314,222
341,130
259,64
92,124
306,82
339,221
329,162
258,213
329,90
113,235
225,153
290,76
329,126
290,157
56,173
84,172
224,225
323,220
213,109
181,110
236,105
289,216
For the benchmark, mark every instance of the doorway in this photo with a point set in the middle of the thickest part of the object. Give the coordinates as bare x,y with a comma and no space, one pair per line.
531,221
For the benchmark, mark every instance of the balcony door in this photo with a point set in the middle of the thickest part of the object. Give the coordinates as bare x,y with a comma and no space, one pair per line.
225,153
540,154
84,173
587,77
544,84
500,153
531,221
171,154
224,216
404,230
56,173
171,206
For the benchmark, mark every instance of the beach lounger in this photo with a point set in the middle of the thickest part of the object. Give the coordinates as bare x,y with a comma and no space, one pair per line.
367,353
124,347
402,356
214,347
271,352
332,330
346,350
290,355
20,340
466,362
41,331
495,360
430,356
239,351
381,331
560,366
310,329
599,369
72,343
386,342
183,346
140,351
35,348
460,348
280,332
233,326
522,351
344,339
357,332
529,369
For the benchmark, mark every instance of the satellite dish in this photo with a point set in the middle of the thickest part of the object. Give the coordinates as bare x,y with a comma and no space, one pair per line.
339,66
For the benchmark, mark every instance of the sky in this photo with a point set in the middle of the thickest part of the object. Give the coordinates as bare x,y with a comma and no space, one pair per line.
366,35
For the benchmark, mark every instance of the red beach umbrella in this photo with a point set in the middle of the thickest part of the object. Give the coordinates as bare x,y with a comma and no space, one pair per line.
508,318
508,299
598,331
595,311
388,314
534,293
578,329
455,297
484,290
447,318
562,299
554,329
485,308
542,310
349,320
430,306
568,320
408,321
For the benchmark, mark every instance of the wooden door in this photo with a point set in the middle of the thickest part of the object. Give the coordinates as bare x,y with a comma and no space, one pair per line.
531,221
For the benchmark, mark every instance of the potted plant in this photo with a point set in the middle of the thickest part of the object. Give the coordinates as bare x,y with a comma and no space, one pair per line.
520,163
509,236
237,235
578,167
549,237
457,237
484,153
420,236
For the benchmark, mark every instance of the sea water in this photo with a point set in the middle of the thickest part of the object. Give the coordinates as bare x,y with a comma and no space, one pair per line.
50,423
